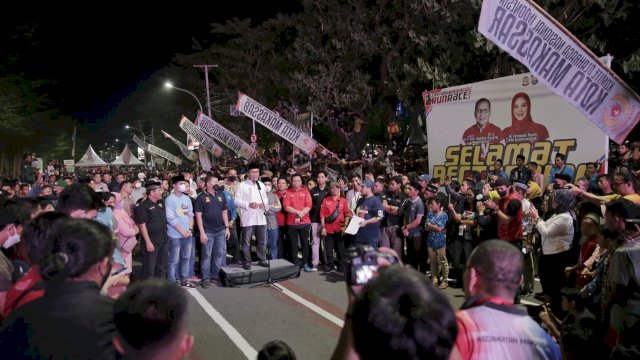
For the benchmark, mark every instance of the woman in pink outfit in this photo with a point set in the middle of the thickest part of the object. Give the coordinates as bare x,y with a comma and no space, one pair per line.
523,128
126,231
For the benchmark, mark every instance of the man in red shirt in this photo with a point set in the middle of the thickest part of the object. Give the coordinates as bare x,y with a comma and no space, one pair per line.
483,132
331,226
283,241
297,204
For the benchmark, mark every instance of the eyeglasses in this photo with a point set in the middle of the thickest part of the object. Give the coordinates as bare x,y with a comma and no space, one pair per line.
483,111
619,182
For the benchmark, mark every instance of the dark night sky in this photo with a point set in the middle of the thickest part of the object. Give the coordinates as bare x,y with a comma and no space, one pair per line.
99,55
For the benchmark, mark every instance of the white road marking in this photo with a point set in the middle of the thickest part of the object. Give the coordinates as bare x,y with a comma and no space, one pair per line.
313,307
527,302
231,332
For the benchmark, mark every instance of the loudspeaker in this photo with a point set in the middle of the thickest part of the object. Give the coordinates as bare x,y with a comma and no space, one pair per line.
236,276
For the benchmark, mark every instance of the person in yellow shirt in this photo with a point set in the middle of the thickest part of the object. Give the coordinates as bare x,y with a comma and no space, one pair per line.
625,185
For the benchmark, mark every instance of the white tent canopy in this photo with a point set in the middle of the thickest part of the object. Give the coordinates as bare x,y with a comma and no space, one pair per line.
126,158
90,158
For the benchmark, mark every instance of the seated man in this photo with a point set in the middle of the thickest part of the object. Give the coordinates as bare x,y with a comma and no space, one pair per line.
490,326
151,321
399,315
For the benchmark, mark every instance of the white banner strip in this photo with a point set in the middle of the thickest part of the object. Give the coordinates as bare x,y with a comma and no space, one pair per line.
560,61
192,156
225,137
164,154
275,123
141,143
196,133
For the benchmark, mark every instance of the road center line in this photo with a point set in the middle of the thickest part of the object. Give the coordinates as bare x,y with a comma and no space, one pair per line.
231,332
313,307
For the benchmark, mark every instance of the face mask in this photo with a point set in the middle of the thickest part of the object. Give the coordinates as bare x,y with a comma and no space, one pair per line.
138,185
12,240
218,188
503,193
268,188
232,178
182,188
556,186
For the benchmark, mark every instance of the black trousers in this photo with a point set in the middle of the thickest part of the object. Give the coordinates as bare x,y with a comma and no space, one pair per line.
300,233
154,264
552,278
334,241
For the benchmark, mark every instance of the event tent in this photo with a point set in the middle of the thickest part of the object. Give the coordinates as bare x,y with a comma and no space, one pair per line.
90,158
126,158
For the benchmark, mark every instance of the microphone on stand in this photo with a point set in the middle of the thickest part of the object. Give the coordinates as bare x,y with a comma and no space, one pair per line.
261,199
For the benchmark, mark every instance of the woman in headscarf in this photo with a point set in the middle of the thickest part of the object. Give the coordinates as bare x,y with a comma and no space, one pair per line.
523,128
557,237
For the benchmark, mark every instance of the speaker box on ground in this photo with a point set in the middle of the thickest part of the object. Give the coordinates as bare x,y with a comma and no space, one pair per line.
236,276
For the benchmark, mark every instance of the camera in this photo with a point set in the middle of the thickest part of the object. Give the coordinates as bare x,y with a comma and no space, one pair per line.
362,263
481,197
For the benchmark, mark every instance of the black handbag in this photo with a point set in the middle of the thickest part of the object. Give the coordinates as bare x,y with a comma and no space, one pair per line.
334,215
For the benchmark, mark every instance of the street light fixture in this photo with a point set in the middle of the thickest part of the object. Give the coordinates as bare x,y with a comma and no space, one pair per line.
169,85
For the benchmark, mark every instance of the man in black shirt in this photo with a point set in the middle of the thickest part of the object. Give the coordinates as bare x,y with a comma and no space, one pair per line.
392,204
151,218
318,193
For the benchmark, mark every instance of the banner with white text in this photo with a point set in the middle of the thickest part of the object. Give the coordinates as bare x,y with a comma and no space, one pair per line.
275,123
163,154
560,61
190,155
204,139
471,126
225,137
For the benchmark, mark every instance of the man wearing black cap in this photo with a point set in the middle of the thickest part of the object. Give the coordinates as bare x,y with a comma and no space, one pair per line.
150,216
370,209
251,197
508,210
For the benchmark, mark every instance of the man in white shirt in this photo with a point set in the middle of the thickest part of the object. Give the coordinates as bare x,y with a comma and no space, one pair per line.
251,197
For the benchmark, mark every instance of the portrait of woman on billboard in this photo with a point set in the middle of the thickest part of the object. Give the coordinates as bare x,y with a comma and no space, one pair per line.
523,128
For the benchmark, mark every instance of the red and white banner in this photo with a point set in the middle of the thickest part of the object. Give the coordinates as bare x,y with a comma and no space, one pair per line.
473,125
225,137
560,61
275,123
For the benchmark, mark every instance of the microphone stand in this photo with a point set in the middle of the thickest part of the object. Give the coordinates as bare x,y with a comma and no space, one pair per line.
268,255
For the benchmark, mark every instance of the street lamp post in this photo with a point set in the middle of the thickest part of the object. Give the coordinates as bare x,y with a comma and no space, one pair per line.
171,86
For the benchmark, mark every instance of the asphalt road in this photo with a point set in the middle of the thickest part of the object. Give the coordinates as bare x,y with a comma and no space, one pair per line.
234,323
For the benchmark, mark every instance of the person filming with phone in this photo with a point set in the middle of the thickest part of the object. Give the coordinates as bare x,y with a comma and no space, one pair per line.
394,312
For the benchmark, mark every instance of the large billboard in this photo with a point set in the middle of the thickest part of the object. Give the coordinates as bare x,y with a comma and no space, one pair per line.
471,126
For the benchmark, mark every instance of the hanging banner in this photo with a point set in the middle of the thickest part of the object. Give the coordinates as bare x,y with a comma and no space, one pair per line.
192,156
275,123
225,137
471,126
189,128
333,175
163,154
141,143
560,61
205,160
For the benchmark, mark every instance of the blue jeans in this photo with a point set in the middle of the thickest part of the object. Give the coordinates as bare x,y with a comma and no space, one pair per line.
179,256
214,255
272,242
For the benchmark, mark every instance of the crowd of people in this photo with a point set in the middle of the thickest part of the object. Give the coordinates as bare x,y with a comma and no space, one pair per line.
68,242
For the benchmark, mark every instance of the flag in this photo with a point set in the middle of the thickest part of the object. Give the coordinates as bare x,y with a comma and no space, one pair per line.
73,146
